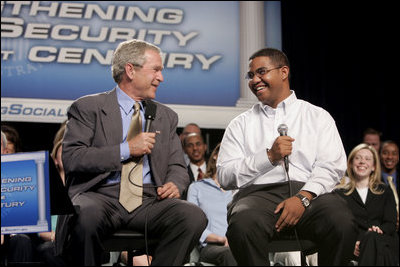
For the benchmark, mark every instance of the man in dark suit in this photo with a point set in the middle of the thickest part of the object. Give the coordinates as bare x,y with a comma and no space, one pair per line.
94,149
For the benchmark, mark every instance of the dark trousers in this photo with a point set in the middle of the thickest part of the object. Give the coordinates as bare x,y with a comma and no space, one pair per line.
218,255
177,224
327,221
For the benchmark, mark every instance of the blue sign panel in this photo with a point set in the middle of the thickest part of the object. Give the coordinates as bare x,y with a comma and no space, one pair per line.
25,200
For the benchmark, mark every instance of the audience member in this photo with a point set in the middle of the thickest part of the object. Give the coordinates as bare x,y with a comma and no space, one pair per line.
56,152
97,151
372,137
373,205
46,247
195,148
389,157
14,143
213,200
253,156
3,143
189,128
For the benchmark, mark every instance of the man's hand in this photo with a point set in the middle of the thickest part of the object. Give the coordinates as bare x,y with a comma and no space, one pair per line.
168,190
281,147
142,144
292,210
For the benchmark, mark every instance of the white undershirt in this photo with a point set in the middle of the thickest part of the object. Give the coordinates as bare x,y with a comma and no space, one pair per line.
363,193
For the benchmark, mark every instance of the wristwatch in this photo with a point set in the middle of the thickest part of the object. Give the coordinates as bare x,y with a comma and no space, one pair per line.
304,201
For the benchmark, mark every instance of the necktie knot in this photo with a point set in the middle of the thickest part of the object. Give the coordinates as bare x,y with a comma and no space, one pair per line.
200,174
136,107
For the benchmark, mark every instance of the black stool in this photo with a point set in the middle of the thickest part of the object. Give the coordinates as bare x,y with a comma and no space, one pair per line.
128,240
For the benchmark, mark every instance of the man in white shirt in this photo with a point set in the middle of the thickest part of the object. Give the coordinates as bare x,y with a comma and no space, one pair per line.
252,159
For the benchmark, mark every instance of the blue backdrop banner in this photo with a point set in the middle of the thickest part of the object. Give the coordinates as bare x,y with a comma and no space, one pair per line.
60,50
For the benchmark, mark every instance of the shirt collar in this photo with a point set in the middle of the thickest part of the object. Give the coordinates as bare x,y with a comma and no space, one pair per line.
284,105
125,102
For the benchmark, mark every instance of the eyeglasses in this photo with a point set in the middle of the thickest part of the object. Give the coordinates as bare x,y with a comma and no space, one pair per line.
259,72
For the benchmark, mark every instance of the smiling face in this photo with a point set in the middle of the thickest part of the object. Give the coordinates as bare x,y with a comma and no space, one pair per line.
146,78
363,164
269,81
389,157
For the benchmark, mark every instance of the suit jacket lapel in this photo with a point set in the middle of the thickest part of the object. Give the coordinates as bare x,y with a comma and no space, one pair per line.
111,118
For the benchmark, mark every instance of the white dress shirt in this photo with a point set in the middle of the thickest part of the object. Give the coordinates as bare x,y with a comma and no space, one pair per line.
318,157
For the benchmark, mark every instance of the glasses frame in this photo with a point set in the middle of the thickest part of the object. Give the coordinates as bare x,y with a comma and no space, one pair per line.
259,72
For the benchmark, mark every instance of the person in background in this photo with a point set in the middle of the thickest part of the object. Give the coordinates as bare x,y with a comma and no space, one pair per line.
46,248
189,128
253,159
372,203
3,143
195,148
372,137
96,147
14,143
389,157
213,200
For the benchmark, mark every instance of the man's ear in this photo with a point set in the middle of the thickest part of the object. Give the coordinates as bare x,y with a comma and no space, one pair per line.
284,72
129,70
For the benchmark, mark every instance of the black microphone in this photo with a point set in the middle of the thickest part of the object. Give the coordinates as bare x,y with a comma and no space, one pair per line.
150,114
282,130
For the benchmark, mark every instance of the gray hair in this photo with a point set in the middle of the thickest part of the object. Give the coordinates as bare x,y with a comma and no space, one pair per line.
3,140
131,51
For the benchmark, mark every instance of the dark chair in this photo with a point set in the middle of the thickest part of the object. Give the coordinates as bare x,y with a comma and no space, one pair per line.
128,240
286,241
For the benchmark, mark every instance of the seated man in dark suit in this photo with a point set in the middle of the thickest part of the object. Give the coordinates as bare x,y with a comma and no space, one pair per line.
102,149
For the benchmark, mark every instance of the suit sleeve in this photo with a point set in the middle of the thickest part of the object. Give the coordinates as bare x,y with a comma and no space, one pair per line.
167,162
84,146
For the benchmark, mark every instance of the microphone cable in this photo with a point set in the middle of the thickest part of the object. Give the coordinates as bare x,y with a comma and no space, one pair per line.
147,211
294,228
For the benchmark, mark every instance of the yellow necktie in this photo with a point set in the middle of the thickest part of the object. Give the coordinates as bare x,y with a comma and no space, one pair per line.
396,197
131,191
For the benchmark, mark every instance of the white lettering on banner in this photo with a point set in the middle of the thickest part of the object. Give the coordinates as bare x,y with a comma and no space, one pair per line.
19,109
12,204
90,10
85,56
17,188
14,28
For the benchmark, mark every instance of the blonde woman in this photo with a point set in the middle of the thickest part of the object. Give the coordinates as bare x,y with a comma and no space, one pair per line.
373,206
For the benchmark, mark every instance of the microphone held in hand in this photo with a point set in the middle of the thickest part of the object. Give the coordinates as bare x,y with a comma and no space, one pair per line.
283,130
150,114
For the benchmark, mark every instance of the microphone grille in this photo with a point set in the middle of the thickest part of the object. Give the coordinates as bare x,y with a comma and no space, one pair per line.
282,129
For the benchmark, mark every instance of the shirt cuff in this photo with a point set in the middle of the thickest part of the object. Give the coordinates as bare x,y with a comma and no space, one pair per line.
262,162
124,151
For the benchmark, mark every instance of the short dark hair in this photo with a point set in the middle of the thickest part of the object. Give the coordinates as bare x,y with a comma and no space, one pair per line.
372,131
276,56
